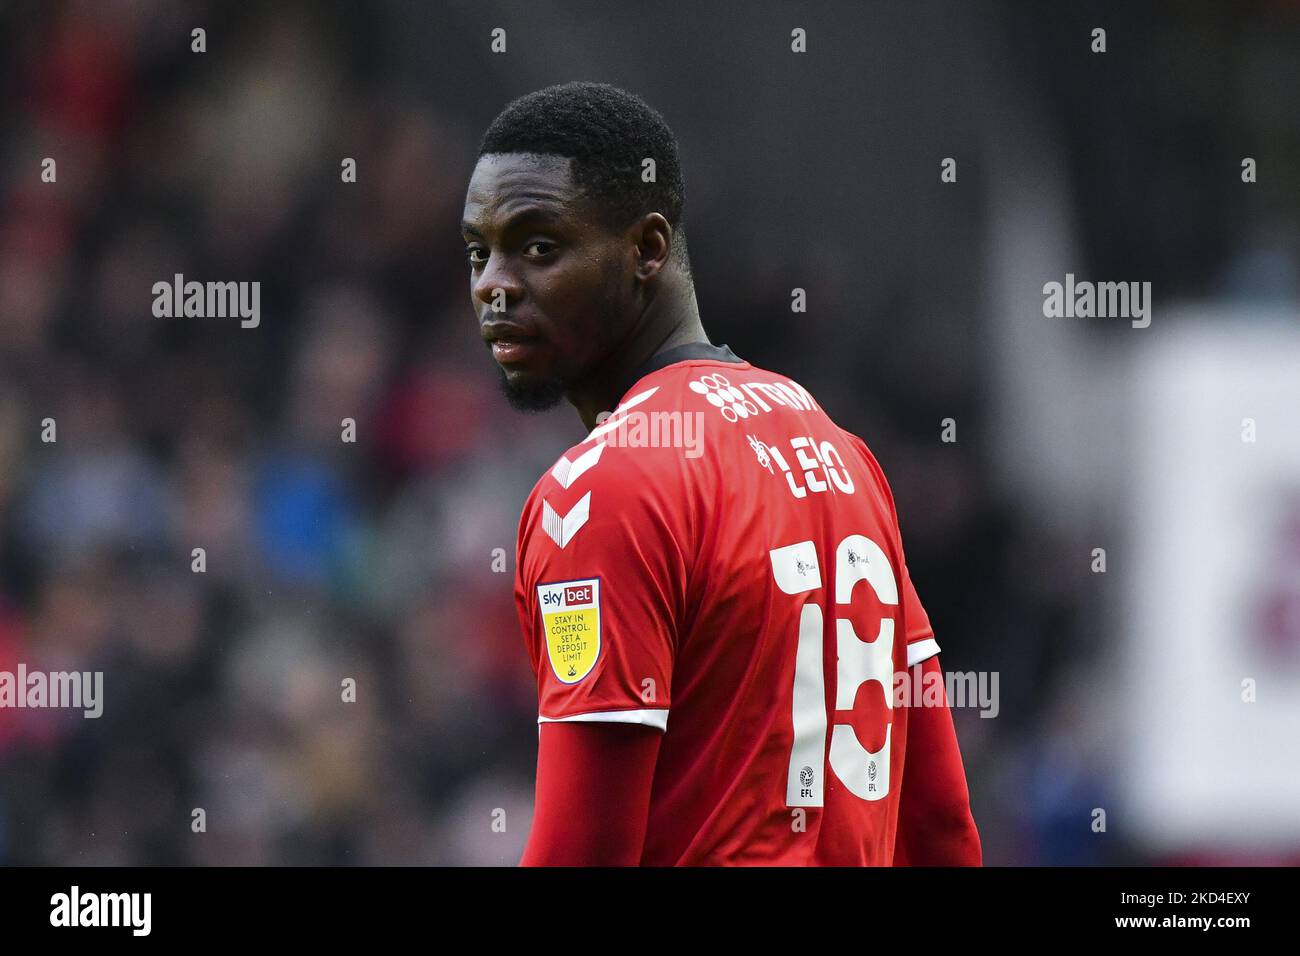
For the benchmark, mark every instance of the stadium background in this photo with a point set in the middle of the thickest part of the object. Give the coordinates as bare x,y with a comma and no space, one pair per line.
373,560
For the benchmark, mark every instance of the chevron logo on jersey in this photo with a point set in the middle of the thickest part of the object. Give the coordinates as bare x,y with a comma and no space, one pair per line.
567,472
562,528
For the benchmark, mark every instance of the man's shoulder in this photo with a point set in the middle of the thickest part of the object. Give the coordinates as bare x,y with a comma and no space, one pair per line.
635,456
645,469
606,506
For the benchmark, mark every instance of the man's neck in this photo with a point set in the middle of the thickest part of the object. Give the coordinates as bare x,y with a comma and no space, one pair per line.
671,325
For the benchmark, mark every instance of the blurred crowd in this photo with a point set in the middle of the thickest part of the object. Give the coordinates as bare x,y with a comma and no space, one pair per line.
326,561
323,560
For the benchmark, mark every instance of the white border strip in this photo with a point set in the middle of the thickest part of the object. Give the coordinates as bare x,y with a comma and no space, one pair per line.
657,718
921,651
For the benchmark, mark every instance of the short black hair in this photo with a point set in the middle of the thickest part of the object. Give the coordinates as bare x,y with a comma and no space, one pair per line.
608,133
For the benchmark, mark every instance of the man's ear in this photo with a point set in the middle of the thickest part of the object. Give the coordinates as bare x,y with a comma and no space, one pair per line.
653,238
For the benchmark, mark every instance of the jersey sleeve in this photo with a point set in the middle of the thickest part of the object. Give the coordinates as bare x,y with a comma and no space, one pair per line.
600,588
921,643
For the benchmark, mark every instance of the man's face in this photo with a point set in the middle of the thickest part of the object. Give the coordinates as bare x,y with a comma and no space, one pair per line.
565,281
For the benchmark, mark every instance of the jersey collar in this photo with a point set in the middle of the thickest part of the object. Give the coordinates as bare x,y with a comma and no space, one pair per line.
692,351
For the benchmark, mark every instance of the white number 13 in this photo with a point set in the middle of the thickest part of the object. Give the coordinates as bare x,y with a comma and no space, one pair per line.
863,772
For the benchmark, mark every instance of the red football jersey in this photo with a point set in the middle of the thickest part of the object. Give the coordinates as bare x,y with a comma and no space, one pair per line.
719,560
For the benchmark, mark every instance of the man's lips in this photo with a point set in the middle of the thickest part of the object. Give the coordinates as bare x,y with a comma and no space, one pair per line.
511,350
510,343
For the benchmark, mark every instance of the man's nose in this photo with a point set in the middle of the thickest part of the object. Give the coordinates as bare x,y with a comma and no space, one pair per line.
496,275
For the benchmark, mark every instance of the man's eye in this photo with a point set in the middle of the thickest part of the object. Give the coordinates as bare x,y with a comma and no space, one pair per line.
471,252
541,244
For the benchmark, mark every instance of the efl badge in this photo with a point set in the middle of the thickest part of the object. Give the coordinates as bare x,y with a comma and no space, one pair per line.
571,621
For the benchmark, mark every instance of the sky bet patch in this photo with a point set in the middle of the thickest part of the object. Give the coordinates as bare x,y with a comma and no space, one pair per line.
571,620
